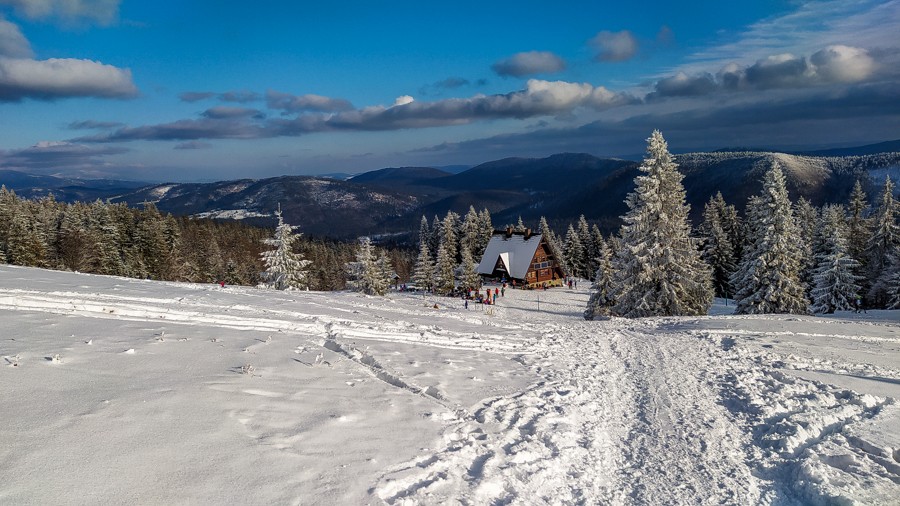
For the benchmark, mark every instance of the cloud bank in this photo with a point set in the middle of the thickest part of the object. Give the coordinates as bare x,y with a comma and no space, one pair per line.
313,113
836,64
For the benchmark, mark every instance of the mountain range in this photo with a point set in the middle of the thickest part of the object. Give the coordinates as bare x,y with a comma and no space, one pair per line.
392,201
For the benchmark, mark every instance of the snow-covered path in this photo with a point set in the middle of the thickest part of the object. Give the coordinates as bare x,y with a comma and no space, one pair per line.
262,397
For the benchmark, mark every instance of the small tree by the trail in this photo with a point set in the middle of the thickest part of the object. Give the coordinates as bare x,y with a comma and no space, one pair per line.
364,271
659,271
768,279
601,302
383,276
470,276
836,287
423,274
285,269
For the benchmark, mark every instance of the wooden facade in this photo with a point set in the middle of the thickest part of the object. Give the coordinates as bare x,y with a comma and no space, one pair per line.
544,267
523,257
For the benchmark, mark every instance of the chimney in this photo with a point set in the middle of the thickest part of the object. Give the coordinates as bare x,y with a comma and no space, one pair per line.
527,233
509,231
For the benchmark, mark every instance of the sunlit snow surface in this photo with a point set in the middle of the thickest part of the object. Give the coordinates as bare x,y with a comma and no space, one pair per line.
118,391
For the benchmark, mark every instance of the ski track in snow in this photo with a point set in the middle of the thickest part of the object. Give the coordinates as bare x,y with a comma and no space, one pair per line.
626,412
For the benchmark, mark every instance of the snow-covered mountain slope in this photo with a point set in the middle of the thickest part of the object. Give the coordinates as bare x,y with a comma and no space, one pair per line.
130,391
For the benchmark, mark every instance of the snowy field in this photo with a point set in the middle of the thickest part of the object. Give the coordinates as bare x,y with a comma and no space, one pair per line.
118,391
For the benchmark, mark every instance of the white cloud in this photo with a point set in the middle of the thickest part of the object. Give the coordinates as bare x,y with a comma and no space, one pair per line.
403,100
62,78
529,63
614,46
12,43
843,64
103,12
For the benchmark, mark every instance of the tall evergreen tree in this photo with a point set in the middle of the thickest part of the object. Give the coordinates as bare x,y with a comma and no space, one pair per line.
424,272
807,218
574,253
553,242
445,278
583,229
285,269
486,228
836,287
601,301
658,269
718,249
859,231
424,231
768,280
470,276
471,232
883,246
383,275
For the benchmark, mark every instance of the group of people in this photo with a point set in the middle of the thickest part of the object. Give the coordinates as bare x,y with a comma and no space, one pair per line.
489,297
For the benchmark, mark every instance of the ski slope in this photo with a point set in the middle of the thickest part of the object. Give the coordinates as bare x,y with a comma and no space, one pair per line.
128,391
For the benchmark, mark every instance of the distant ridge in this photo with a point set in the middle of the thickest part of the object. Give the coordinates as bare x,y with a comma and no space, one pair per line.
560,187
869,149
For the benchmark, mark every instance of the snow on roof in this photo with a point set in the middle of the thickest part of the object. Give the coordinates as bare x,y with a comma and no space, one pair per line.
515,252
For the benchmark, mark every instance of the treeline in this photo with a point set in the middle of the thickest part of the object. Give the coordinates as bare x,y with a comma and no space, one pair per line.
780,257
114,239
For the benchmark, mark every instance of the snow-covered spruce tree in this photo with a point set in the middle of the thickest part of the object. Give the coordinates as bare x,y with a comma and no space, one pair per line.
859,229
285,269
718,250
553,241
768,278
658,269
470,276
486,230
601,302
445,279
366,268
891,282
423,274
450,234
424,231
470,232
883,246
583,229
383,276
520,226
574,254
807,218
835,287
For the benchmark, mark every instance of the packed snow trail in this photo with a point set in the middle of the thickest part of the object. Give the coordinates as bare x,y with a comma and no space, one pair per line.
621,419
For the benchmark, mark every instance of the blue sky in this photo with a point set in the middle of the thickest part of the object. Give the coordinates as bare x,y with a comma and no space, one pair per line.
205,90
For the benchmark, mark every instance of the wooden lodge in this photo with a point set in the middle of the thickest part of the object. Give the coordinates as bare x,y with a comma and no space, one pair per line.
520,256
